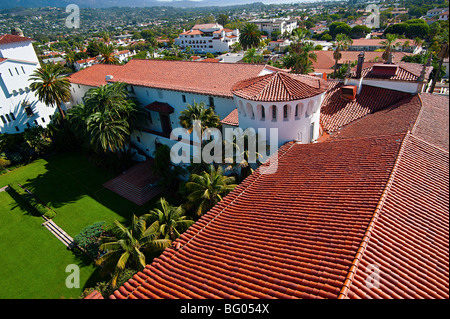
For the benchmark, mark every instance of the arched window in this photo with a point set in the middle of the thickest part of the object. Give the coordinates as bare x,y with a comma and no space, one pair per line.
286,112
261,112
249,110
299,110
309,110
241,108
274,112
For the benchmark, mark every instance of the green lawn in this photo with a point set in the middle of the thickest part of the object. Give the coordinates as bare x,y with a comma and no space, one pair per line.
32,260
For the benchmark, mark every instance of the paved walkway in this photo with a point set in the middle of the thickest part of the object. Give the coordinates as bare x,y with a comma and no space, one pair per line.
136,184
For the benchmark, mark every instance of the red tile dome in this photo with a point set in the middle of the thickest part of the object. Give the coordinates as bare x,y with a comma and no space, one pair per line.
279,87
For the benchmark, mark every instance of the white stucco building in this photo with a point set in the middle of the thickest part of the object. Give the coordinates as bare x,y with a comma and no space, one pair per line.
243,95
281,25
203,38
19,107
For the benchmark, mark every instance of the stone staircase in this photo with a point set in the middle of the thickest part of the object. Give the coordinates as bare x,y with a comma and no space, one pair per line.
59,233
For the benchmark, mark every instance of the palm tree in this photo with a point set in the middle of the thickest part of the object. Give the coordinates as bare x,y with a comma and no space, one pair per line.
115,99
249,36
199,112
170,221
389,45
111,97
341,44
246,153
107,55
251,57
106,133
443,54
51,86
207,189
300,58
168,173
129,246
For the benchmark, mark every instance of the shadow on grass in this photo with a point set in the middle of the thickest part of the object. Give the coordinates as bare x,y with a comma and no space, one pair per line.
69,177
21,203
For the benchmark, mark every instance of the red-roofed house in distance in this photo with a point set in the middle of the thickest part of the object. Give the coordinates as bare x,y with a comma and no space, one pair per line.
203,38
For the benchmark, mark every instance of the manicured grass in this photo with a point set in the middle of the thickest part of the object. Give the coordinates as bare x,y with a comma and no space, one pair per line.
32,260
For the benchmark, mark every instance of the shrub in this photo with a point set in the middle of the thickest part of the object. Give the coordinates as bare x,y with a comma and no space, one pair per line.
4,163
89,238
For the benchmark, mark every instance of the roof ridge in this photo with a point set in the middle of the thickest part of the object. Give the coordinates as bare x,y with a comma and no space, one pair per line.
413,129
366,238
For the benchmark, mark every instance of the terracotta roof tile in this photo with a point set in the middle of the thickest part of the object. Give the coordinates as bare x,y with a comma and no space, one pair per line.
232,118
311,219
279,86
187,76
409,244
160,107
10,38
94,75
337,111
397,118
405,72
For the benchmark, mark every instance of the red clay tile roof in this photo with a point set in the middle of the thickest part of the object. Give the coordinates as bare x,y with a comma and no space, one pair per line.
289,234
337,111
160,107
94,75
232,118
187,76
94,295
192,32
434,111
405,72
210,60
279,86
310,229
10,38
325,60
397,118
408,244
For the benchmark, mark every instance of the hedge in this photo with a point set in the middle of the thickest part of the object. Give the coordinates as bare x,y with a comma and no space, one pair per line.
32,201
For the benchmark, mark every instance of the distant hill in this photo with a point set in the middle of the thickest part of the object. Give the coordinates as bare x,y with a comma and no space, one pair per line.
120,3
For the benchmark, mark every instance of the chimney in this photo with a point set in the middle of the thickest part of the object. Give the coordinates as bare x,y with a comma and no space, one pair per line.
360,65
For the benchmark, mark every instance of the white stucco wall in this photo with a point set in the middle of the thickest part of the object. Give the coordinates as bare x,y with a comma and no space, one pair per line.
222,106
14,92
403,86
293,127
19,51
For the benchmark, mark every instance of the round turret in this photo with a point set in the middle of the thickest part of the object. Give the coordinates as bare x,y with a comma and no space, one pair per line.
291,103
